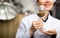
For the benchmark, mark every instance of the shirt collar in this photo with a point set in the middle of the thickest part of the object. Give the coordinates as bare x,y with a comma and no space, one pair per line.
46,18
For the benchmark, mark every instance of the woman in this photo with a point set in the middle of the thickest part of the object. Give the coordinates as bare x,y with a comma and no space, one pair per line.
33,25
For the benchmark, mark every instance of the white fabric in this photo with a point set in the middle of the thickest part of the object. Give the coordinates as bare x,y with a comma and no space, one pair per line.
54,0
26,23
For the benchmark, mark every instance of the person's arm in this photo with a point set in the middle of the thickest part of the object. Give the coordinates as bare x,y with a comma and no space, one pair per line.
58,32
53,32
21,32
32,30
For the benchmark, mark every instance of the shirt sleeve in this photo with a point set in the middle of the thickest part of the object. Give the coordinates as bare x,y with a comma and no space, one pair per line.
22,31
58,31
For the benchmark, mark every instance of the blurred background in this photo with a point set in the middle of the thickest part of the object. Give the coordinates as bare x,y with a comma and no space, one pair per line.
8,27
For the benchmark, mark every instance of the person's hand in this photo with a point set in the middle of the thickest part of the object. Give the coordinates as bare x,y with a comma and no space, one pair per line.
36,25
49,32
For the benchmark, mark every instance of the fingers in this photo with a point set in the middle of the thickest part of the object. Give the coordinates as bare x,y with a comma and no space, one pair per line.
52,31
46,32
38,24
38,27
38,21
49,32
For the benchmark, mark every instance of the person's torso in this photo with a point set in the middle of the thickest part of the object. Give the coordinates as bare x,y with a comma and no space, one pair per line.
51,23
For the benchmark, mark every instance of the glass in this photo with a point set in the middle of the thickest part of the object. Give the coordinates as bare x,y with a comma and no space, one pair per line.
42,13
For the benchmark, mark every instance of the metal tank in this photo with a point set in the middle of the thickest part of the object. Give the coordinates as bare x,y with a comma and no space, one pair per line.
7,11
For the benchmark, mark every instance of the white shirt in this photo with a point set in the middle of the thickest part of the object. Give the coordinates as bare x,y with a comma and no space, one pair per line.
26,23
